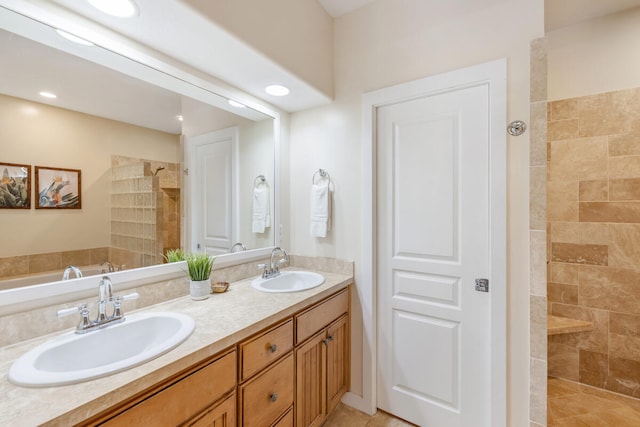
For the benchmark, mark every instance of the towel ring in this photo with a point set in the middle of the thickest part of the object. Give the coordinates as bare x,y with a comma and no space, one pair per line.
260,179
323,174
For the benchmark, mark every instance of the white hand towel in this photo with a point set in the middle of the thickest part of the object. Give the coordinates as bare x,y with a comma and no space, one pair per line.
320,209
261,218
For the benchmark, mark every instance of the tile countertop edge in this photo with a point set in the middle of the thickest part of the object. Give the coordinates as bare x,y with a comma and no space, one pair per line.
68,405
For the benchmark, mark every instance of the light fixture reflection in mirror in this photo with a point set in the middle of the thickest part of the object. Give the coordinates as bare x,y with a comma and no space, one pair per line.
59,234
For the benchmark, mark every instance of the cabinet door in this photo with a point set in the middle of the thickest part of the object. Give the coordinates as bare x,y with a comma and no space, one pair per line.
337,342
311,402
221,415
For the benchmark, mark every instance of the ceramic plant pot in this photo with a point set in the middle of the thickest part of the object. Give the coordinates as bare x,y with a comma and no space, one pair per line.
199,289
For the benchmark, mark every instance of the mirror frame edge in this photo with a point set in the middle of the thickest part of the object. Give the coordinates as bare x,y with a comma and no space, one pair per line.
47,294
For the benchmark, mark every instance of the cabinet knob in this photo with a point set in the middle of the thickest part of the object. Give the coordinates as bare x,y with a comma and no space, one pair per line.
273,397
331,338
273,348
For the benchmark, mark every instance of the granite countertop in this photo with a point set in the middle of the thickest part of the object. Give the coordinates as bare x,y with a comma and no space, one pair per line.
221,321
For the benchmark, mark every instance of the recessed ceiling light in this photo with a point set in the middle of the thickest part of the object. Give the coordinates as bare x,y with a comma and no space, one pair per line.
118,8
236,104
73,38
49,95
180,118
277,90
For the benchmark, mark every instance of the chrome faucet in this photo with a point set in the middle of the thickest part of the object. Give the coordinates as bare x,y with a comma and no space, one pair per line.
273,268
109,265
105,295
69,269
237,245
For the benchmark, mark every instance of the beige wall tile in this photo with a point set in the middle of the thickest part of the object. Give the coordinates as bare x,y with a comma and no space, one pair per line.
563,273
76,258
538,390
538,141
562,201
14,266
624,145
624,376
625,324
538,326
624,189
537,197
624,167
538,263
44,262
606,114
594,233
563,109
558,130
611,289
593,368
566,294
564,232
579,254
624,347
593,191
582,159
538,68
624,250
595,340
563,360
628,212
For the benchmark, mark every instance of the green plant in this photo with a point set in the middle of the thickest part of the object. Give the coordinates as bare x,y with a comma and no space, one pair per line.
199,266
175,255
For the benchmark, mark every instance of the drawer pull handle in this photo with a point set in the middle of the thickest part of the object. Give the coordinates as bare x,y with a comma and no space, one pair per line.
328,340
273,397
273,348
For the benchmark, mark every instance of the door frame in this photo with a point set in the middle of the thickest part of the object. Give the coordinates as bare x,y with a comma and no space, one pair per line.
494,75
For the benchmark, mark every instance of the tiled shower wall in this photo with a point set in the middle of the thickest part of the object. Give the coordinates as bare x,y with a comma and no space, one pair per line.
593,214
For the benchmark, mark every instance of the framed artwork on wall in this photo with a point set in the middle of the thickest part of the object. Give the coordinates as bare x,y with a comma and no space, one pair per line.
15,186
58,188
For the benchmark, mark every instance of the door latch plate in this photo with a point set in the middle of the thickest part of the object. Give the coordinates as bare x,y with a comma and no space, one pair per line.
482,285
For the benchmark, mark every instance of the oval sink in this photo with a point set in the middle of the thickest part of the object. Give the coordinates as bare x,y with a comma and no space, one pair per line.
289,281
72,358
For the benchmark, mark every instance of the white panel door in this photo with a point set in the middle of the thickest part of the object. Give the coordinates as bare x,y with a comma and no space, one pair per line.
213,184
434,366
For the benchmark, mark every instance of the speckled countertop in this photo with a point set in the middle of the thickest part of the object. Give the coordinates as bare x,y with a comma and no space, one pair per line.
221,321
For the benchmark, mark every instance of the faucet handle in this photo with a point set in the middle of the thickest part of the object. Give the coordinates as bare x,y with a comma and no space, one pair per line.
67,311
117,304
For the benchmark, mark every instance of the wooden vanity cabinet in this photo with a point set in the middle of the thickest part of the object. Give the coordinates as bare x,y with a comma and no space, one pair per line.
266,375
204,396
322,361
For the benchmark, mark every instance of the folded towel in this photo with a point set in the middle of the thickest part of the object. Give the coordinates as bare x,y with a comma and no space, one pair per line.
261,218
320,209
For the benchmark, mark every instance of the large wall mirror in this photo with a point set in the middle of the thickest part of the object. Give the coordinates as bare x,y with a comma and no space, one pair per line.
130,136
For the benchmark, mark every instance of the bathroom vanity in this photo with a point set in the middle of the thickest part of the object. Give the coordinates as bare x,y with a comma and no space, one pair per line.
254,359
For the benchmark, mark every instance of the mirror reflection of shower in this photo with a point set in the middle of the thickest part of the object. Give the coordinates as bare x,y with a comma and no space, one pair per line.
158,169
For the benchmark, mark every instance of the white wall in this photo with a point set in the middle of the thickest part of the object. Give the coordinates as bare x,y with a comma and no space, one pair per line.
597,56
389,42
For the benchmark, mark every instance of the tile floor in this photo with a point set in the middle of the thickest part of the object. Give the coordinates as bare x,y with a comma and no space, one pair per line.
576,405
345,416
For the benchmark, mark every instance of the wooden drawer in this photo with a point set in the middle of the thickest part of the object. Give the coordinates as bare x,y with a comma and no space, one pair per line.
184,399
221,415
320,315
263,350
286,421
264,398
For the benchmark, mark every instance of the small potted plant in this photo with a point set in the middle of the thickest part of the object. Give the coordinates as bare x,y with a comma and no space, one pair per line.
175,255
199,267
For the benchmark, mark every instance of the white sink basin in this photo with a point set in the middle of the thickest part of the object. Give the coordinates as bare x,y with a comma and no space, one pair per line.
289,281
72,358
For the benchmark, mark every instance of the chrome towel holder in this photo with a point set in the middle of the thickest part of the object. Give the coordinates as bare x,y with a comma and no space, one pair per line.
323,174
260,179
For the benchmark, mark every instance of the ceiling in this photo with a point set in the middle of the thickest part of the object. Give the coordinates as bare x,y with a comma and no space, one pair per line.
337,8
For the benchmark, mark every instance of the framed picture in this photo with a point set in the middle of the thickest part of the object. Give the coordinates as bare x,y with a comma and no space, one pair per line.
15,186
58,188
